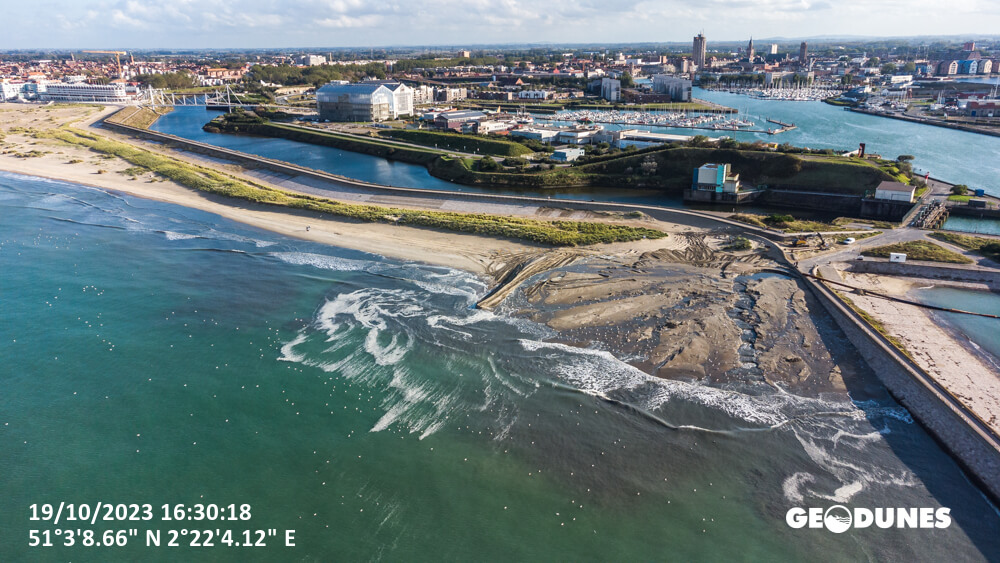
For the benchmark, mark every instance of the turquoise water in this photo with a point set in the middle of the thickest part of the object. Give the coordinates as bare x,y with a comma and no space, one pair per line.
972,225
950,155
187,122
980,331
157,354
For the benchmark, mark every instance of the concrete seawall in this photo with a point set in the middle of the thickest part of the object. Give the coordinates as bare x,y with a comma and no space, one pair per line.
963,435
934,122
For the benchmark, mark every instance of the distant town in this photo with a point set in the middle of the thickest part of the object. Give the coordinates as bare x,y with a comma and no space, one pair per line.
892,72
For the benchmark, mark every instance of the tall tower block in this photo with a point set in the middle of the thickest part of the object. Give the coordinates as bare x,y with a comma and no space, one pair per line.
698,52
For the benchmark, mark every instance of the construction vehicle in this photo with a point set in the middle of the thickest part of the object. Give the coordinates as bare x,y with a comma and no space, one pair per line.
117,55
799,242
822,241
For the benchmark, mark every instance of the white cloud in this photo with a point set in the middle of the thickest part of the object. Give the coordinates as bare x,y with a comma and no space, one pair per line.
343,21
275,23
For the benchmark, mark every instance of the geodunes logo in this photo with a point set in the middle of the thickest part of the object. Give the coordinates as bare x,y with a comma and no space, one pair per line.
838,518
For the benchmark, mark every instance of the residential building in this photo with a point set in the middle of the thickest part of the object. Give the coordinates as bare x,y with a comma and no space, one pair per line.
698,52
803,53
362,101
500,95
423,94
679,89
10,91
969,66
566,155
774,49
450,94
312,60
534,94
947,68
894,191
611,89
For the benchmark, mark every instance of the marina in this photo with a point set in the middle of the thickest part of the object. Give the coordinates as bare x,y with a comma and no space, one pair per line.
784,94
680,120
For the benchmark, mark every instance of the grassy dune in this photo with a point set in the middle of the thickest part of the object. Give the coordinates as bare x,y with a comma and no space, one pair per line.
141,117
983,246
919,250
556,233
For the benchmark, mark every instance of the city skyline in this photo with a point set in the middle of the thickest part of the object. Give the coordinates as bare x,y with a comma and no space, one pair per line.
189,24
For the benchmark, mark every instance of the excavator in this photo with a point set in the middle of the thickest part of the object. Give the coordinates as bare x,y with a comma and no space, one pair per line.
804,241
117,55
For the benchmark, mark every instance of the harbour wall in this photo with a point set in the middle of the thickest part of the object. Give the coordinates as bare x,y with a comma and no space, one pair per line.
975,212
820,201
934,122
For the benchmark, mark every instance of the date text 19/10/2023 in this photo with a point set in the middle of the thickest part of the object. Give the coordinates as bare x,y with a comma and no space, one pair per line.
121,512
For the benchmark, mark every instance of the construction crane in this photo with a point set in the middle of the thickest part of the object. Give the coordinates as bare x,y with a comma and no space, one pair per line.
117,55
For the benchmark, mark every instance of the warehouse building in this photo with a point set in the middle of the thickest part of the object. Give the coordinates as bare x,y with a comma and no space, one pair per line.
79,92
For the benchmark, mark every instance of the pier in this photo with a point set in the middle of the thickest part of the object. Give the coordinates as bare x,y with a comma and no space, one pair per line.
784,126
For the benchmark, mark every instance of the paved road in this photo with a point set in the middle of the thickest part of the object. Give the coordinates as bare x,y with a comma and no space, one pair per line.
385,140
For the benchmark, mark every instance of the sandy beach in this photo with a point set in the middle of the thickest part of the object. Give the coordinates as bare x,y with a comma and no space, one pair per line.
24,154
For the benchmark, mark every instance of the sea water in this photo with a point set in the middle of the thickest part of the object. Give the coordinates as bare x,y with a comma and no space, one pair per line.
157,354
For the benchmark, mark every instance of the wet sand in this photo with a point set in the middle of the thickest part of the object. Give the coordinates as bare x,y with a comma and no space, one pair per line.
696,312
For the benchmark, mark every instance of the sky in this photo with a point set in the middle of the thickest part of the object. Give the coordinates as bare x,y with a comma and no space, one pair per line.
190,24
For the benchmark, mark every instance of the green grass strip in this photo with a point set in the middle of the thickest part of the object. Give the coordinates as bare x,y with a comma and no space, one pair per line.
919,250
556,233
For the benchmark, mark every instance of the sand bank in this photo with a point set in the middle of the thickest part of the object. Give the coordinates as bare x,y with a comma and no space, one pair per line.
693,310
